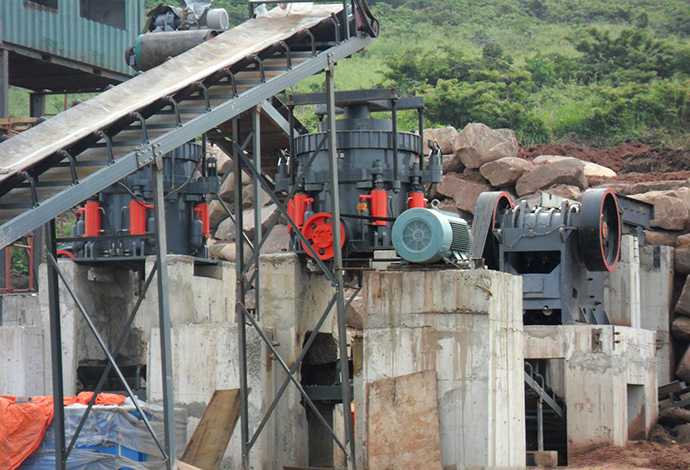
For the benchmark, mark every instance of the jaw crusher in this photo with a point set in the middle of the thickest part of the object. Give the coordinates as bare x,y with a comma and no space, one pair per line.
562,251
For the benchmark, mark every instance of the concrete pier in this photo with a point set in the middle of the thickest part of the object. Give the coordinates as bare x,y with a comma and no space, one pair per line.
466,326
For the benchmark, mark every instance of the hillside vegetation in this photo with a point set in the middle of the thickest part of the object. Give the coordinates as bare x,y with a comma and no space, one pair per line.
583,71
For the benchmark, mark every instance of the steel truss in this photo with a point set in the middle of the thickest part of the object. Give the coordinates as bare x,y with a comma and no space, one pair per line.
55,274
246,282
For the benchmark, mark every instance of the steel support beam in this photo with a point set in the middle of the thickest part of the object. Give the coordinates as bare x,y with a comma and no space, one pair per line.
240,295
338,257
4,83
164,314
56,350
256,123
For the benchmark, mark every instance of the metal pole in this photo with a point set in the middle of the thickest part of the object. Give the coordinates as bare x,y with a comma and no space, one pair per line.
257,207
164,313
56,350
338,258
540,425
4,83
240,295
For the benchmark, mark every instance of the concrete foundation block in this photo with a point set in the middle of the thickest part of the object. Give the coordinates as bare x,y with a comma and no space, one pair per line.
21,360
465,325
610,381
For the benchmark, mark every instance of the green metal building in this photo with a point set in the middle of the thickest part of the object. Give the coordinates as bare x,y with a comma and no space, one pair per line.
65,46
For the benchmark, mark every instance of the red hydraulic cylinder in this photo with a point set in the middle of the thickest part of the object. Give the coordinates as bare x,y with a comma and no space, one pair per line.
92,219
204,214
297,206
416,200
379,205
137,217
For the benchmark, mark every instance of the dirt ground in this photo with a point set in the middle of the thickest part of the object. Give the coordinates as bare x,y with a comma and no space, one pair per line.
637,455
634,162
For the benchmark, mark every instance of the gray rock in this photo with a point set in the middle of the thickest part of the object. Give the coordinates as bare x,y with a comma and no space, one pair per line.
591,169
226,229
660,237
683,304
681,260
680,328
444,137
477,144
670,213
570,172
505,171
566,191
216,213
463,190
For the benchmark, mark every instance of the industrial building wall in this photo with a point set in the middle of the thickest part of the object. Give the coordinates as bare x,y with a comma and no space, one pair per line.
63,28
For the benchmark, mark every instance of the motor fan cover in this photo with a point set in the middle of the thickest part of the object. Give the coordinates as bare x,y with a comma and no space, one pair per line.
427,235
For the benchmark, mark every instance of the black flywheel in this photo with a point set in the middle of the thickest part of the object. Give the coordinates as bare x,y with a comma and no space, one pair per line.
600,230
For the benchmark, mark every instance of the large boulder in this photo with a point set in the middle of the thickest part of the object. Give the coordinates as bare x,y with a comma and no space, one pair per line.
223,161
666,185
681,328
566,191
505,171
443,136
681,260
463,189
248,196
477,144
566,171
683,241
670,213
216,213
683,370
591,169
660,237
683,304
226,229
227,189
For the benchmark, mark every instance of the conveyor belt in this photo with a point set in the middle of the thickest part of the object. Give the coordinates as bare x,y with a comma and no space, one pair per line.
61,162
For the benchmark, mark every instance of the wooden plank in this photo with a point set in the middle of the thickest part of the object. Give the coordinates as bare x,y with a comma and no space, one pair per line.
402,423
210,439
185,466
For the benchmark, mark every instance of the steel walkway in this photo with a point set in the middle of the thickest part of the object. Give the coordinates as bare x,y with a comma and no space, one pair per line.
59,163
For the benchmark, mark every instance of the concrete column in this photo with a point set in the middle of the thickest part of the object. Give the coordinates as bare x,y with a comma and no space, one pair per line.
622,294
656,290
37,105
4,84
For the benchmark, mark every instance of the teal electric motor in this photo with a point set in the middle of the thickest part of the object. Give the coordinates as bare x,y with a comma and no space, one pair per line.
430,235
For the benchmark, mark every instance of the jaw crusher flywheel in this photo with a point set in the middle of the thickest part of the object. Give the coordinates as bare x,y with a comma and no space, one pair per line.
600,230
319,233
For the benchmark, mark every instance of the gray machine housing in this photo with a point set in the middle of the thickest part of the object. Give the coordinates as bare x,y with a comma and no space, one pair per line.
563,250
189,179
540,244
373,154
